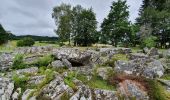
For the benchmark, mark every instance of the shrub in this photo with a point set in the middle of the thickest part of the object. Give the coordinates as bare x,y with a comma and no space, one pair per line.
149,42
26,42
18,62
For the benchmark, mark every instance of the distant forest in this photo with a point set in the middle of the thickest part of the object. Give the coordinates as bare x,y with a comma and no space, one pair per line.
36,38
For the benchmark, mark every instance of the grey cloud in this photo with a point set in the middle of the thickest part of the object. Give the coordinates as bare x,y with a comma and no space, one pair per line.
33,17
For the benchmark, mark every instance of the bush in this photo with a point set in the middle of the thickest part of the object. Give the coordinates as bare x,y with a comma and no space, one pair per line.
18,62
25,42
149,42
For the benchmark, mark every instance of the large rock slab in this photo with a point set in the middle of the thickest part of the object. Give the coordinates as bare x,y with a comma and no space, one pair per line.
6,61
153,52
74,56
31,70
141,67
137,56
104,72
6,88
57,64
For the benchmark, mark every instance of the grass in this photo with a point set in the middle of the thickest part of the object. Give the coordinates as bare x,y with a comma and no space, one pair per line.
166,77
69,80
44,61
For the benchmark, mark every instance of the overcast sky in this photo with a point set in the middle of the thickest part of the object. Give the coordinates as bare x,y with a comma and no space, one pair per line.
23,17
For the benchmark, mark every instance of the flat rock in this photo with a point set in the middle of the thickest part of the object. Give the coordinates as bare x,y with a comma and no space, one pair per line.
30,70
6,61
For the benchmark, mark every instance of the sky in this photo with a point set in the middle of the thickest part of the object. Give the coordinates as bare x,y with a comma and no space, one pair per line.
33,17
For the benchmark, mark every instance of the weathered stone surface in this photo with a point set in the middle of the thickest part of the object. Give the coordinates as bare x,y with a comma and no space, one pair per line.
142,67
146,50
166,54
6,61
32,50
137,56
57,64
166,64
104,72
66,63
73,55
36,79
153,51
100,94
15,95
166,83
54,89
30,70
6,88
26,94
129,89
112,51
32,59
83,93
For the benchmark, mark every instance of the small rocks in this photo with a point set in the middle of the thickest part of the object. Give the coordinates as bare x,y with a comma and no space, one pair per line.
27,93
15,95
66,63
6,88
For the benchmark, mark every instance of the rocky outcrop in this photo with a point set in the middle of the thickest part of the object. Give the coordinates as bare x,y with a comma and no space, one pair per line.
74,56
26,94
6,61
131,89
54,89
141,67
6,88
166,83
16,94
32,59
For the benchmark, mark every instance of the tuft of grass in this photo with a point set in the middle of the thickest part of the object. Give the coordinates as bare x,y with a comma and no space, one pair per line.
44,61
69,80
65,96
18,62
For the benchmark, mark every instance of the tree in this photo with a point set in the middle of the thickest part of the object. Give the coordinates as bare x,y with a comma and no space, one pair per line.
62,16
116,25
26,42
154,19
87,25
3,35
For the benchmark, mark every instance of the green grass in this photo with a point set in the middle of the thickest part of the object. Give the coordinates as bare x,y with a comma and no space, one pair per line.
69,80
98,82
166,77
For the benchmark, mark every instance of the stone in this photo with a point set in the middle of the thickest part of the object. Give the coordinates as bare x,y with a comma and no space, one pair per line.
100,94
15,95
104,72
166,83
146,50
31,70
36,79
74,56
83,93
6,88
57,64
137,56
32,59
54,89
140,67
66,63
129,88
153,51
27,93
6,61
166,54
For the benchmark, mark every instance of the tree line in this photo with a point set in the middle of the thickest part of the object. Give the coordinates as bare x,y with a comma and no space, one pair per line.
79,25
